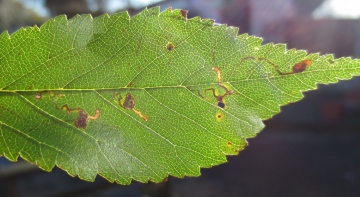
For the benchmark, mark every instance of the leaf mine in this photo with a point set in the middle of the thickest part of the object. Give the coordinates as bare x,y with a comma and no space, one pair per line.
297,68
220,102
129,104
89,59
83,117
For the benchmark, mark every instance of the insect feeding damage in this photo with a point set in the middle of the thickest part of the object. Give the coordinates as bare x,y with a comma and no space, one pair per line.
220,102
170,46
297,68
82,118
219,116
301,66
38,96
129,104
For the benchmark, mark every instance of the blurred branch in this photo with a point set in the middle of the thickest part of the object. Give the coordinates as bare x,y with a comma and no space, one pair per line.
14,15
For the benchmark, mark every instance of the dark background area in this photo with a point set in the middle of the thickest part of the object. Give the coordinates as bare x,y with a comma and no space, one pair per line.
312,148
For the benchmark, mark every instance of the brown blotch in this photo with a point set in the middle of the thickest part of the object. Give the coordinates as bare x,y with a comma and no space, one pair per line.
229,143
301,66
129,104
170,46
81,120
83,117
184,13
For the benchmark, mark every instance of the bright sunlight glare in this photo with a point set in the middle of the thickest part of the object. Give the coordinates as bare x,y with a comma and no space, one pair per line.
344,9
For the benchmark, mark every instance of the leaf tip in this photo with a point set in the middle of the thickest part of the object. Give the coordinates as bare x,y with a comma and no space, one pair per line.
184,13
59,18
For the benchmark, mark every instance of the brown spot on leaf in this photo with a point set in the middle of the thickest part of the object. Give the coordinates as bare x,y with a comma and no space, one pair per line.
81,120
184,13
219,116
83,117
170,46
129,102
130,85
301,66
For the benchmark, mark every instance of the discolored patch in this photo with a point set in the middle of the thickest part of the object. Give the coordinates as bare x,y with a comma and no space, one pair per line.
38,96
184,13
83,118
54,97
129,104
220,98
170,46
219,116
96,116
229,144
130,85
301,66
218,74
297,68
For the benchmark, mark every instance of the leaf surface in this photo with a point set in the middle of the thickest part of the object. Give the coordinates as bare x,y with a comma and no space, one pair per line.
144,97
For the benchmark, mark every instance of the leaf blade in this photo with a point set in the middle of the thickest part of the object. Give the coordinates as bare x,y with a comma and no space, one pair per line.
59,75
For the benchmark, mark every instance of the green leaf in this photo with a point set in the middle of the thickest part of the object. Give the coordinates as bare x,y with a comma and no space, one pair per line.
68,90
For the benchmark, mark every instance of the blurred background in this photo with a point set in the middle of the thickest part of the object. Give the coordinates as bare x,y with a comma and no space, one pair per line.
312,148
